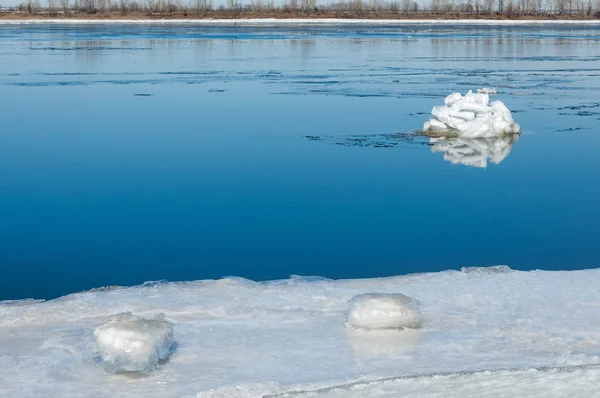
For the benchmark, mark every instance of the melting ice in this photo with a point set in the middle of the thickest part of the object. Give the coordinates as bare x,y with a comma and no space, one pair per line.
471,116
129,343
383,311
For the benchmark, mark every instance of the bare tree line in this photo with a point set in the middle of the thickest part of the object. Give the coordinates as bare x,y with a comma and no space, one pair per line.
508,8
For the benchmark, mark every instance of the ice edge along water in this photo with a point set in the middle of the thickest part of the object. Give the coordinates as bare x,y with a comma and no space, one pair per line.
237,337
298,21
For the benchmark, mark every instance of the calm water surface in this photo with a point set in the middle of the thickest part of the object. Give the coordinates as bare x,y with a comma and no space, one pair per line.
136,153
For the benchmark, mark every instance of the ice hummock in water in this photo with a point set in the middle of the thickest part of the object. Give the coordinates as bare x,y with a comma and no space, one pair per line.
129,343
474,152
471,116
383,311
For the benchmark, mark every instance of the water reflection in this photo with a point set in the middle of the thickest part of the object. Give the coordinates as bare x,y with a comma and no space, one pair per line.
474,152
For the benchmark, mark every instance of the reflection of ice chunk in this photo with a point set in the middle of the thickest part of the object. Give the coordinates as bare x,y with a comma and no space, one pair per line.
475,152
471,116
487,90
128,343
383,311
383,343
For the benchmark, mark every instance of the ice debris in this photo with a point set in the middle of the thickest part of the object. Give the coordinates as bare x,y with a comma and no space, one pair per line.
128,343
383,311
471,116
474,152
487,90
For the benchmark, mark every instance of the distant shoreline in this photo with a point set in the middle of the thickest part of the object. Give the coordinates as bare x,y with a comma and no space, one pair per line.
258,21
272,17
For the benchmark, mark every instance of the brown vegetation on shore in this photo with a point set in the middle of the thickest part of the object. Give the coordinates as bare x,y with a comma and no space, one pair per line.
115,15
299,9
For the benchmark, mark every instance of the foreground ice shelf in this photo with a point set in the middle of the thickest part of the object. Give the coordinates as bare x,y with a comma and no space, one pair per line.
486,330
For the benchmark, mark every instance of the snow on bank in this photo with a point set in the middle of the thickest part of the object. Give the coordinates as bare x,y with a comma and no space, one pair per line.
297,21
471,116
128,343
239,338
383,311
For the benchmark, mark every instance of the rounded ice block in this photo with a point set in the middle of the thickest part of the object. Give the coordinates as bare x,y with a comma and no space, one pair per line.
383,311
128,343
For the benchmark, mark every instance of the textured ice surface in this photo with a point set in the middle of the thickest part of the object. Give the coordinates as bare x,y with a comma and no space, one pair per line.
383,311
471,116
578,382
129,343
238,338
474,152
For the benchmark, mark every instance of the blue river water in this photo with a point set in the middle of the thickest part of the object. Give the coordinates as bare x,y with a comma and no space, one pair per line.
135,153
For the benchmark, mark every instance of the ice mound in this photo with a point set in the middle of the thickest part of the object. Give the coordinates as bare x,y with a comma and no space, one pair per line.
474,152
383,311
471,116
128,343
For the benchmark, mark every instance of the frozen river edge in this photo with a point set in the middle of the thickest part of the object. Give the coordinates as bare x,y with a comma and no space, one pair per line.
515,333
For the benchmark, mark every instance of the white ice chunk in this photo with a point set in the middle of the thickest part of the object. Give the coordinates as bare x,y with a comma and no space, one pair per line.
487,90
383,311
128,343
471,116
452,99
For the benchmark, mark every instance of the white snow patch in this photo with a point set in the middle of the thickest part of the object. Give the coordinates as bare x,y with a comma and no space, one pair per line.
475,152
383,311
128,343
471,116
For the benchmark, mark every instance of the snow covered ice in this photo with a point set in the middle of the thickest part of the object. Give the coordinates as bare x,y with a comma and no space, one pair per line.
491,331
128,343
383,311
474,152
471,116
